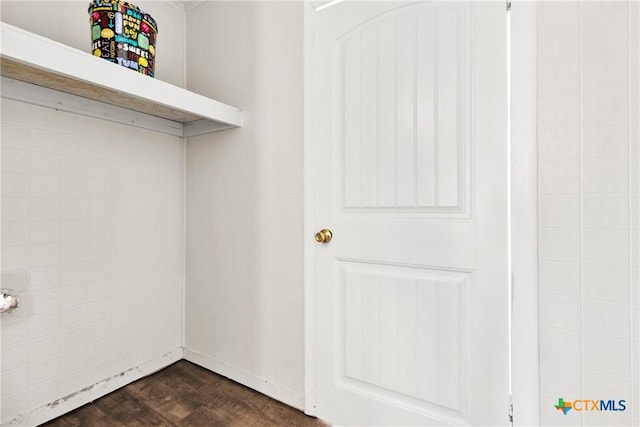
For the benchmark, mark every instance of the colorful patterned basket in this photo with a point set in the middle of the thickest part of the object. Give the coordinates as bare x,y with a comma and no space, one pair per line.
123,33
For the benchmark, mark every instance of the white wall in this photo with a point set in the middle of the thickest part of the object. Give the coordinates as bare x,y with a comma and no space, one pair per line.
92,212
244,310
588,208
68,22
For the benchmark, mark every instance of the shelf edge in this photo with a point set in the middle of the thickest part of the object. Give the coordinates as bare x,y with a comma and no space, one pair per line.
40,52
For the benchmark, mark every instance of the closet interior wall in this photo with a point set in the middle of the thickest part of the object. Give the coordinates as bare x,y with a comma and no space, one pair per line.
588,208
245,290
92,233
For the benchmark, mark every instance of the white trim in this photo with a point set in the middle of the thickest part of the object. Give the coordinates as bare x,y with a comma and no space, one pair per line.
247,378
185,176
524,345
309,197
509,210
1,346
95,391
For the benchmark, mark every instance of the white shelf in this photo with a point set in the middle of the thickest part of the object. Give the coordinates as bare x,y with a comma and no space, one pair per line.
41,71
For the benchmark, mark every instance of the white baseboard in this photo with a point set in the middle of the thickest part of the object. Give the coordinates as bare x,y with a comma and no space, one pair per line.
264,386
93,392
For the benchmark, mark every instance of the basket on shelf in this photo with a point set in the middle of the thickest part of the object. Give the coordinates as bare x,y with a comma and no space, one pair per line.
124,34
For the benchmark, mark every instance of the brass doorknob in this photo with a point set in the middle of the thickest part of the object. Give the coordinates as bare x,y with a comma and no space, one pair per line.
324,236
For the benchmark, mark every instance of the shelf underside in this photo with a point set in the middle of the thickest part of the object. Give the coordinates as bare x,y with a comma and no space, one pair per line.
30,74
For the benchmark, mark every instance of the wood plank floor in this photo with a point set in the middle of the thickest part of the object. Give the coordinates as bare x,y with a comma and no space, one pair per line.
185,394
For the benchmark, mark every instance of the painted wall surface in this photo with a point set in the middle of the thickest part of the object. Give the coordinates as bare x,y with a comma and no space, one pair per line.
244,311
92,233
588,209
68,22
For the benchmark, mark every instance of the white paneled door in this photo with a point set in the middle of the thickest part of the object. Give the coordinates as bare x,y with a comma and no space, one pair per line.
409,173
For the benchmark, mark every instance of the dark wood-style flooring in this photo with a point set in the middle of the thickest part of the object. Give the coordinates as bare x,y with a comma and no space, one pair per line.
185,394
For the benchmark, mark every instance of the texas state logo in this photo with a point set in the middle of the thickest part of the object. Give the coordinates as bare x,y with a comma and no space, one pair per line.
590,405
563,406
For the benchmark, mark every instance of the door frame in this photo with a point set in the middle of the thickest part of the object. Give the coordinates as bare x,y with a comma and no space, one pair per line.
523,220
525,365
309,10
